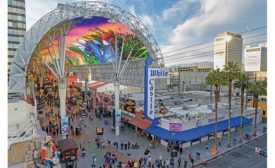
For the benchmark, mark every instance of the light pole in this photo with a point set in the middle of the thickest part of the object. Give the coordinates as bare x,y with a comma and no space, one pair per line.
227,38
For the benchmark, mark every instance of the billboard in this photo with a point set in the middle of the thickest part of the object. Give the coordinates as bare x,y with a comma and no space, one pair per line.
130,106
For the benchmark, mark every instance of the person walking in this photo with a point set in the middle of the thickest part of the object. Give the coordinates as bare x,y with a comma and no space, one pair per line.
206,146
121,146
125,146
129,144
179,161
181,148
192,162
185,164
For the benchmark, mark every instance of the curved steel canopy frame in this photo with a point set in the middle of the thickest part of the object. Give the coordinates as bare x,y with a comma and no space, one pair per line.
17,80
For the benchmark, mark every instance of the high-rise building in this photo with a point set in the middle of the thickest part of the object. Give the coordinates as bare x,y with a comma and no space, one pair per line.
227,47
16,27
255,58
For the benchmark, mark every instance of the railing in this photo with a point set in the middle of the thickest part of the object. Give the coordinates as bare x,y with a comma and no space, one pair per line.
25,135
21,127
26,131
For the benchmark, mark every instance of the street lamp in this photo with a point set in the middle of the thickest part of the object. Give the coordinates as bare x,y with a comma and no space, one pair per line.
94,160
227,38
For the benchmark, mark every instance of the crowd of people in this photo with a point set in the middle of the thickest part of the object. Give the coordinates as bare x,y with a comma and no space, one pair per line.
146,162
52,127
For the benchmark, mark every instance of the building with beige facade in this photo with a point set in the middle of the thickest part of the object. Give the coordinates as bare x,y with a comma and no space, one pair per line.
227,47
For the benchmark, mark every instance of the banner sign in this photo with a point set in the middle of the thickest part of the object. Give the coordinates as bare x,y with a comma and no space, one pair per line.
151,98
122,99
153,73
130,106
64,125
118,117
175,127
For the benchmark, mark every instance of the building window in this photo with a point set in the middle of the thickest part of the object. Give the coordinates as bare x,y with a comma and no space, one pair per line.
9,2
10,24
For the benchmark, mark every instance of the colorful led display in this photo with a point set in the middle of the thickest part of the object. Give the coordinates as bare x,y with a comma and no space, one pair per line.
94,40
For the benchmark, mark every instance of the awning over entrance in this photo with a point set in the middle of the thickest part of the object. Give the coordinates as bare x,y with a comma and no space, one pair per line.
96,85
194,133
140,123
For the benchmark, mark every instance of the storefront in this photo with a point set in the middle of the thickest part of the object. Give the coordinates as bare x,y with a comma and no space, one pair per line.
194,135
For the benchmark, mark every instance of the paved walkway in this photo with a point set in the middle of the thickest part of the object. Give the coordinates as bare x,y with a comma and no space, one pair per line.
135,154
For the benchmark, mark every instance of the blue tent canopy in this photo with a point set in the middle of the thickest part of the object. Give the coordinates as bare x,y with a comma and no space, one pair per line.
194,133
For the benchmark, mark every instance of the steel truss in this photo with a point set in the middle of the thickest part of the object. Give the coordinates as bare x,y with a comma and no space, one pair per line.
17,80
133,76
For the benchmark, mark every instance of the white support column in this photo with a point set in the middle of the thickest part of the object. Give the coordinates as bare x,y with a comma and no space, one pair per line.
116,87
62,96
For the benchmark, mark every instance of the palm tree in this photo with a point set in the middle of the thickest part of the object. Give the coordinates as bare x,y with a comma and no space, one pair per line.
232,72
216,78
242,83
211,92
257,88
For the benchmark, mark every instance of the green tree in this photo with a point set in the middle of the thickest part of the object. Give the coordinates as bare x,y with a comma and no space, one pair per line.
256,89
232,72
216,78
242,83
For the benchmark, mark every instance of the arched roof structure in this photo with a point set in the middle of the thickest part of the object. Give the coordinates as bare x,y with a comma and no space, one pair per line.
67,12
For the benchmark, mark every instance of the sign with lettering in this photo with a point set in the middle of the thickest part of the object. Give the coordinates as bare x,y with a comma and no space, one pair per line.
64,125
130,106
153,73
151,98
175,127
118,117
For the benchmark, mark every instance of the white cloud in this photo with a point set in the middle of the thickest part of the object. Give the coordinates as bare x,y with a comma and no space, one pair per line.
178,10
212,17
147,21
37,9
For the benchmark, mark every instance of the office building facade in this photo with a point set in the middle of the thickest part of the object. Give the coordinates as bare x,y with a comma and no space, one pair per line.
255,58
16,27
227,47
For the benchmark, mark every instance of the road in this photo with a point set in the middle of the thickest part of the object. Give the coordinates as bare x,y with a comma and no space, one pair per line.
243,157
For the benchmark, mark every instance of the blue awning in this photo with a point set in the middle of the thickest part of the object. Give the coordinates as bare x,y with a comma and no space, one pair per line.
194,133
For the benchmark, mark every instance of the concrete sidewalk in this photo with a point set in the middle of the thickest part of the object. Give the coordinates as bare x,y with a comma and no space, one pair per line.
160,151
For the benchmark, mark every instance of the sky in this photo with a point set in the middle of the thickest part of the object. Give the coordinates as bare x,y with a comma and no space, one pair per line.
178,24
